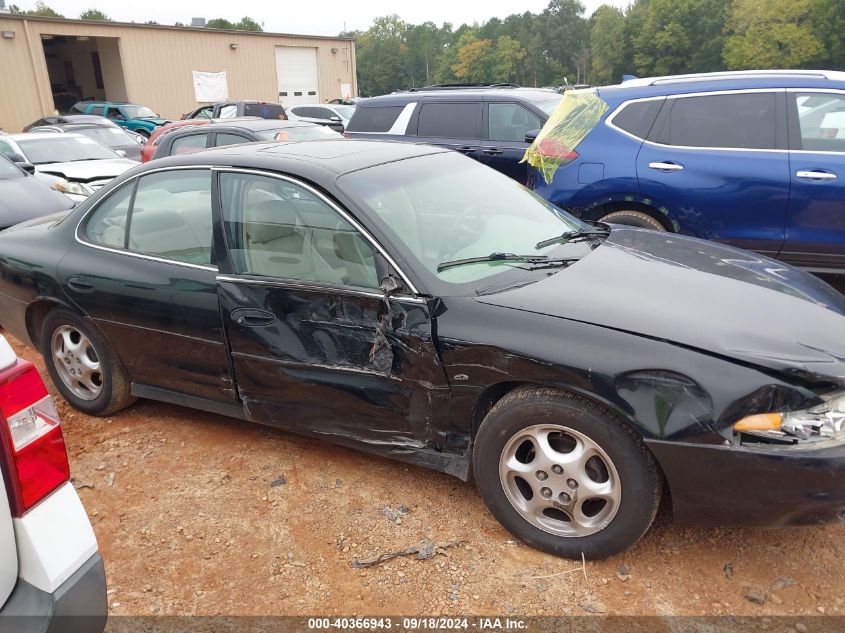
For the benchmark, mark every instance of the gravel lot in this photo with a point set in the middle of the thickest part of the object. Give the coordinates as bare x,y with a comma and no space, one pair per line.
201,514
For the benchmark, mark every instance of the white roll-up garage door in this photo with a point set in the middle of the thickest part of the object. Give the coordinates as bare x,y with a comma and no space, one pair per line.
298,75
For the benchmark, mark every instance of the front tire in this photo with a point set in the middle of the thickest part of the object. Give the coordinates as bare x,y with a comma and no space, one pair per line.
82,364
565,475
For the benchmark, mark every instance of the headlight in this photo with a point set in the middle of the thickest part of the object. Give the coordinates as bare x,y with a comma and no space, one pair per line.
826,420
75,188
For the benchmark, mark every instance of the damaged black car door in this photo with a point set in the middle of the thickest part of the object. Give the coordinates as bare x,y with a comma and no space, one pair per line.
323,340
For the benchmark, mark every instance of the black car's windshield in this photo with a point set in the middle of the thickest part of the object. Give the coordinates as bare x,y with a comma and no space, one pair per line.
8,170
445,207
69,149
548,105
138,112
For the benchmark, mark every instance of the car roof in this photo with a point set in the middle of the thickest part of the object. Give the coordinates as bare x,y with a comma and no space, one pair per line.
398,98
732,80
338,156
26,136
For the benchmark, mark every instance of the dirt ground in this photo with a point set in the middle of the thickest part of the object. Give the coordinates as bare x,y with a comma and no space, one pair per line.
201,514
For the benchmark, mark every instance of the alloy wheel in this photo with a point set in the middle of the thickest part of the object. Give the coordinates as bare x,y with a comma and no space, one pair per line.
560,480
77,362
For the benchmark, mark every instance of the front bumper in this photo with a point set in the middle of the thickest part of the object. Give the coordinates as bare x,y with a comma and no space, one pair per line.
77,606
740,486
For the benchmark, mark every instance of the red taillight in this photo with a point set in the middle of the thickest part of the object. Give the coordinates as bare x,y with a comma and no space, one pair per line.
33,447
552,148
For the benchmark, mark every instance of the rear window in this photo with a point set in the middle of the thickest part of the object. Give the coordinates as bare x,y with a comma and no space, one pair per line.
374,118
450,120
637,118
265,110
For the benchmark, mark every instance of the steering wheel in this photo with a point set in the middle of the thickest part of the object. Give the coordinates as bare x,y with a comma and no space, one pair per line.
460,233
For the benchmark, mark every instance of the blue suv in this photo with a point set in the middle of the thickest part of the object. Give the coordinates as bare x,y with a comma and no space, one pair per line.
755,159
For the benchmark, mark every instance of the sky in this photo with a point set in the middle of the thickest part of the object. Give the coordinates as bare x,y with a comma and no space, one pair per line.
329,19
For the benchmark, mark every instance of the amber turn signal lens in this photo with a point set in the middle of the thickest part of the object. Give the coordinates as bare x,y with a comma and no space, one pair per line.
760,422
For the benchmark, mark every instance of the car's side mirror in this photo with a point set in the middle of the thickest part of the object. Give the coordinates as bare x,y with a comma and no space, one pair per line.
21,162
335,119
531,135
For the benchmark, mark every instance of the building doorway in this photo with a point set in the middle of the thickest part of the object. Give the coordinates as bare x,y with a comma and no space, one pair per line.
83,68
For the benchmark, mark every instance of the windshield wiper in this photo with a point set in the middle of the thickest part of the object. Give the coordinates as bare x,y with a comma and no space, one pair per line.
572,236
537,261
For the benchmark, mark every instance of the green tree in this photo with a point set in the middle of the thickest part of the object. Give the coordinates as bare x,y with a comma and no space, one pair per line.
248,24
678,36
41,10
220,23
565,35
608,45
94,14
382,52
774,34
507,59
828,19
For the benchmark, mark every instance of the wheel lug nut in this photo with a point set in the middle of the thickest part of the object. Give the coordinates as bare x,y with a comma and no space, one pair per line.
542,475
546,492
564,497
572,483
557,469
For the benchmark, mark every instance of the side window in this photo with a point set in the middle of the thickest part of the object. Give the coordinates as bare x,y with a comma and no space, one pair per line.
637,118
171,216
204,113
114,113
107,225
188,144
6,149
97,110
744,121
510,122
450,120
278,229
374,119
821,121
229,139
229,111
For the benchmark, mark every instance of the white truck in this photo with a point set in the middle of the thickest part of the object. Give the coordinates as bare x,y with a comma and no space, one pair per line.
51,573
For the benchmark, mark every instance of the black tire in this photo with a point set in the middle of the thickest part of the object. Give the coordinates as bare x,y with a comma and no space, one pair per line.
143,133
115,385
638,474
639,219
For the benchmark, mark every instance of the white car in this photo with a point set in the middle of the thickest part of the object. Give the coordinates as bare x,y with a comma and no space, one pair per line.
51,573
71,163
333,115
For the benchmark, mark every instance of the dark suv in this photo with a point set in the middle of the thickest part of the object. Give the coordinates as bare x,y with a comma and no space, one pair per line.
486,123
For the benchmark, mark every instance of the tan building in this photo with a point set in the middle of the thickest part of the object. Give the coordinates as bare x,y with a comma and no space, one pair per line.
42,59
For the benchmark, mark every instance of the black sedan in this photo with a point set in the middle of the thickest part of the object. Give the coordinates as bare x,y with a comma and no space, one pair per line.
23,197
408,301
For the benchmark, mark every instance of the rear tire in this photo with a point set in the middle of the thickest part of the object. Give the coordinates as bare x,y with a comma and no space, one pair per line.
82,364
639,219
143,133
565,475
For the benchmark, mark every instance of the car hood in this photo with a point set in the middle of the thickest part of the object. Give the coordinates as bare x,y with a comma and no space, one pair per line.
153,121
87,170
703,295
26,198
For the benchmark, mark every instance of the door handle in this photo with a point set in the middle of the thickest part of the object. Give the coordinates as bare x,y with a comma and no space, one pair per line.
79,284
816,175
666,166
466,148
493,151
251,317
